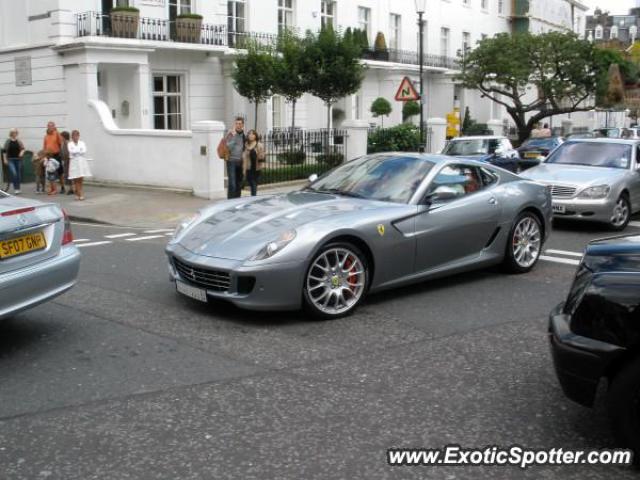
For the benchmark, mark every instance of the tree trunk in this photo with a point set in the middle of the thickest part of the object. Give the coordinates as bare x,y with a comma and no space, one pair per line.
326,146
293,116
255,123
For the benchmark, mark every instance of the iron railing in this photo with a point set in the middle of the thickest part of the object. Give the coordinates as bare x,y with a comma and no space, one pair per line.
295,155
409,57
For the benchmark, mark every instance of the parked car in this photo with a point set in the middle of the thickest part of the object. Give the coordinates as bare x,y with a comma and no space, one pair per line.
608,132
535,150
374,223
573,136
38,260
631,133
593,179
595,334
492,149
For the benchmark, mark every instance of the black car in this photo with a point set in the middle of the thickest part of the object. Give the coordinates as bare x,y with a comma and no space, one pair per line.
534,150
595,334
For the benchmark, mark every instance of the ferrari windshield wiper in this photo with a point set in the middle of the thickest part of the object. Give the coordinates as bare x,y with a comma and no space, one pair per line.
337,191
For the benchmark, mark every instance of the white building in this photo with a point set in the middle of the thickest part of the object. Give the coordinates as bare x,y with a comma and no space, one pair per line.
135,99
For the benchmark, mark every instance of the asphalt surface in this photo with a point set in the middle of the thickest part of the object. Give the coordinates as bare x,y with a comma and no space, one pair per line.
121,378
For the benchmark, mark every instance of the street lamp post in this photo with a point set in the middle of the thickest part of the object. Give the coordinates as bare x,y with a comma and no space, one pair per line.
420,9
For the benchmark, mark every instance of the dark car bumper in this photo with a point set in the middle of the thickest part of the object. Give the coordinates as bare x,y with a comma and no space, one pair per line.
579,362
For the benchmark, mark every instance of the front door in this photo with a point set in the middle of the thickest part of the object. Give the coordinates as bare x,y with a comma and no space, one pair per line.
460,227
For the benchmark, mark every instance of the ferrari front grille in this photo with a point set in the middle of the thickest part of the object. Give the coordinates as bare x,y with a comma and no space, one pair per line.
209,279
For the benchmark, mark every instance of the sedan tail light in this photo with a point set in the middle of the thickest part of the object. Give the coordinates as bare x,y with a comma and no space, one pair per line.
67,237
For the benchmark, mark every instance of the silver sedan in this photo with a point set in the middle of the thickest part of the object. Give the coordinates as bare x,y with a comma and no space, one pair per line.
374,223
38,260
593,179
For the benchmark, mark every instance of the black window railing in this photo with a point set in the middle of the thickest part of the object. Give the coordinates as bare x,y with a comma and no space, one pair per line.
409,57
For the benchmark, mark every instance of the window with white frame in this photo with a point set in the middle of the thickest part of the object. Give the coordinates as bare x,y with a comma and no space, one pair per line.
179,7
395,22
500,6
444,41
483,4
328,14
285,15
364,20
236,15
466,42
613,33
167,102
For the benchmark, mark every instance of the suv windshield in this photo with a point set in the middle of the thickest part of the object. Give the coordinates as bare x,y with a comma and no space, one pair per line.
476,146
592,154
377,177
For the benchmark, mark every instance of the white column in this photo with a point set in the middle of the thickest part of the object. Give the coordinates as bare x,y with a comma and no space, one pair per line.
144,97
356,143
496,126
208,168
437,128
89,78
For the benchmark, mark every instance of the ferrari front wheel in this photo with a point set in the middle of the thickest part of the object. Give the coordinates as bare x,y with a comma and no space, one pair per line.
336,281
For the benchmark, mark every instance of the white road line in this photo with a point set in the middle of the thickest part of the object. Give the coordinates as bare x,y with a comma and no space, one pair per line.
121,235
162,230
144,238
564,252
565,261
635,224
169,234
81,240
93,244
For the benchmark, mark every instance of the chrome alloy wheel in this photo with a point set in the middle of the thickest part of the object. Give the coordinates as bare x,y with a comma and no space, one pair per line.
336,281
620,213
526,242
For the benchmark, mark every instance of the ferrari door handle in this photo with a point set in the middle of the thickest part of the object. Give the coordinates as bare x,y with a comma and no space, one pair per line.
493,201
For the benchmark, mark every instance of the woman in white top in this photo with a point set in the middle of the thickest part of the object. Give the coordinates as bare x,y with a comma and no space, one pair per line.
78,166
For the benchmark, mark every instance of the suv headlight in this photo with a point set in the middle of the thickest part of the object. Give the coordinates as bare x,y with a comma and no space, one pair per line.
599,191
184,225
273,247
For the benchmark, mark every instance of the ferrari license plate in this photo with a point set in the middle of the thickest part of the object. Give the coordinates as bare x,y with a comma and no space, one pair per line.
22,245
191,292
558,208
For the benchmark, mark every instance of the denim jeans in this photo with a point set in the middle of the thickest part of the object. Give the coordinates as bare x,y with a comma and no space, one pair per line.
234,179
253,176
15,172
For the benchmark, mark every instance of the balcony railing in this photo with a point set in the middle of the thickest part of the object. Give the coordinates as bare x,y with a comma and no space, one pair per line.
125,26
408,57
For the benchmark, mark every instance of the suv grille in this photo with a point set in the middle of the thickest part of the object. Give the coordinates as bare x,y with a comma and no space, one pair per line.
210,279
561,191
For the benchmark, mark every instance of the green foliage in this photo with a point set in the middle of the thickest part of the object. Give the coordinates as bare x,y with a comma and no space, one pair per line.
380,43
467,121
124,9
192,16
562,68
381,108
294,157
289,75
410,109
330,159
358,37
288,173
605,57
401,138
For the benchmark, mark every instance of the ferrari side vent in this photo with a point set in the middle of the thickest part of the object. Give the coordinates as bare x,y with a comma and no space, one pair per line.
492,238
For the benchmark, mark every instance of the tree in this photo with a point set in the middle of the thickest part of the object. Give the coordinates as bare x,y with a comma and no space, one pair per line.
289,78
615,87
410,109
606,57
381,108
534,76
253,75
468,121
332,67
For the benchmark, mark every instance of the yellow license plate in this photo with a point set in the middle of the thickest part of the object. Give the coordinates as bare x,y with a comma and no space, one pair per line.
531,155
21,245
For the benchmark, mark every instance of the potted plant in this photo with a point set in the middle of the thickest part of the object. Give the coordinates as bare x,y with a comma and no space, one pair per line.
380,48
124,22
188,27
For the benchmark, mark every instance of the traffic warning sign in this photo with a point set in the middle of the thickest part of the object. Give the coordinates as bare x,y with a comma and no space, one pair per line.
407,92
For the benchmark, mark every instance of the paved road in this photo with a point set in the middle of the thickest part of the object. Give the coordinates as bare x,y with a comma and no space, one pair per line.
122,379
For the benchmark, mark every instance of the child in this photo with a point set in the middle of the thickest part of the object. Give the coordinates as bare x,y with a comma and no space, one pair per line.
38,170
51,166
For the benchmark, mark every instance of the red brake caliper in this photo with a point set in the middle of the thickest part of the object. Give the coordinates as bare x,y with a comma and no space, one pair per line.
351,278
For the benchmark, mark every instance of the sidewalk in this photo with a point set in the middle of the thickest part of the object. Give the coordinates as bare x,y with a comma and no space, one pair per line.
137,207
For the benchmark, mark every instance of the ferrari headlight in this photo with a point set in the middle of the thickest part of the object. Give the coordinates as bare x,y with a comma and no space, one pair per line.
599,191
184,225
273,247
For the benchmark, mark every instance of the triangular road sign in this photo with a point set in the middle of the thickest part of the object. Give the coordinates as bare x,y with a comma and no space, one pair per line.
407,92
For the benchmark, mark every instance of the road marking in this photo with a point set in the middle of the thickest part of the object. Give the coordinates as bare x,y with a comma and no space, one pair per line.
144,238
635,224
121,235
93,244
564,252
162,230
81,240
565,261
169,234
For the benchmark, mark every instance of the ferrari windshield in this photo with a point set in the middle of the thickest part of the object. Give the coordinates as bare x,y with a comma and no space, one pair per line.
475,146
592,154
378,177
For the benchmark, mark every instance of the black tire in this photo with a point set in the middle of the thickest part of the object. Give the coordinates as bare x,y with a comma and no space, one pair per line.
510,263
623,406
308,301
619,226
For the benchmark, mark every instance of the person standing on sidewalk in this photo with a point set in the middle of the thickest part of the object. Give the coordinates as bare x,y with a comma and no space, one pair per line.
235,141
64,154
78,165
253,159
13,152
52,144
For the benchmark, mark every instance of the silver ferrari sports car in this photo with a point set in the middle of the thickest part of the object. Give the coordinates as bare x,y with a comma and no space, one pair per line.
374,223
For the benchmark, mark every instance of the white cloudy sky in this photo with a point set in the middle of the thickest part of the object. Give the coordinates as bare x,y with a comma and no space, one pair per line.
616,7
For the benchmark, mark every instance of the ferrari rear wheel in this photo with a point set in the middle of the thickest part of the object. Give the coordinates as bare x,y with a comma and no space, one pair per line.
524,244
336,281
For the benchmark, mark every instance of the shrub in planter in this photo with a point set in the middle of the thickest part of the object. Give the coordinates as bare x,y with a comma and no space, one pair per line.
330,159
124,22
380,48
401,138
188,27
410,109
295,157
